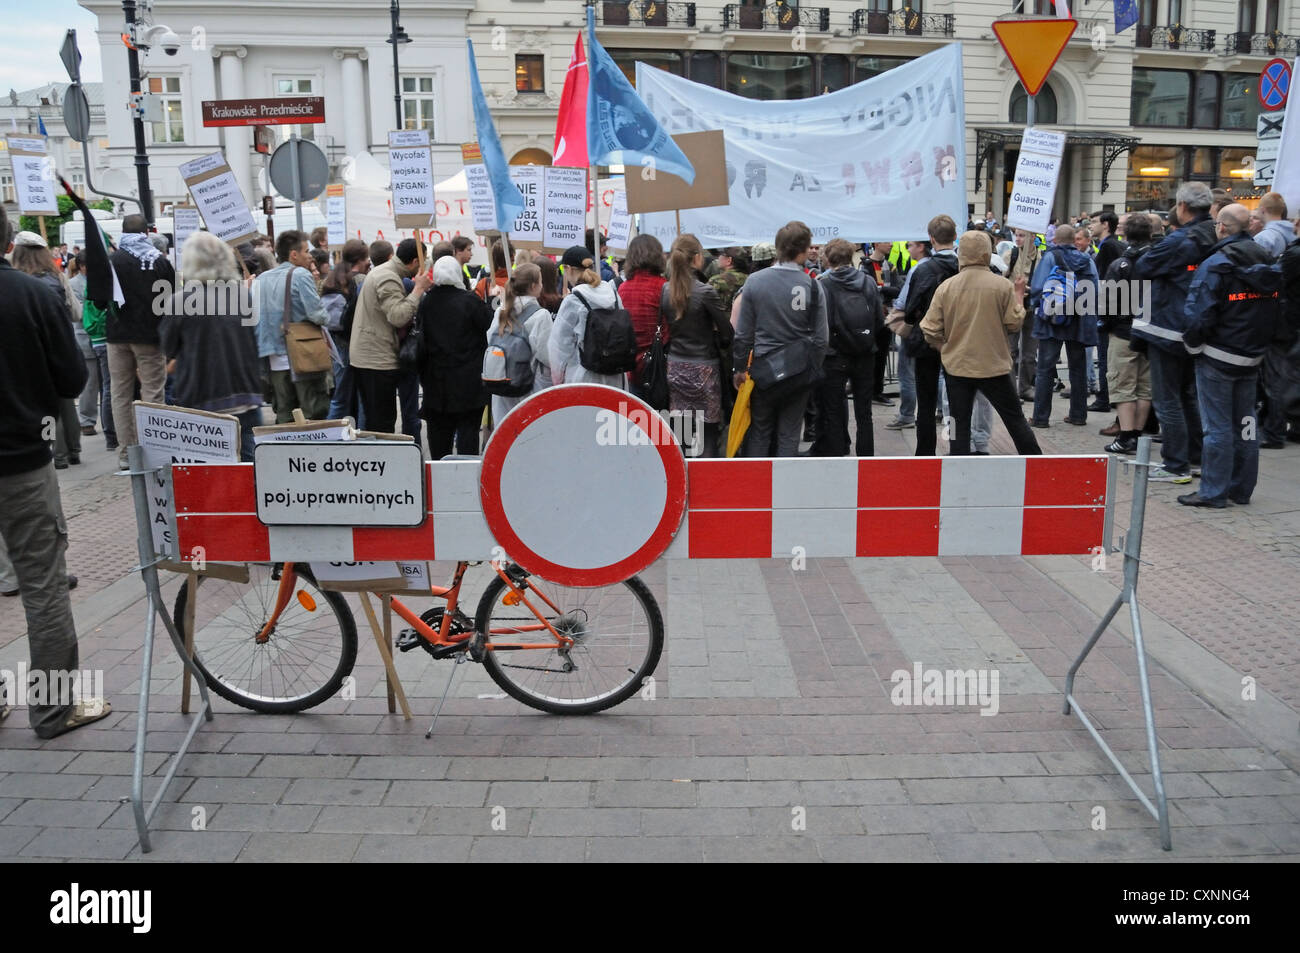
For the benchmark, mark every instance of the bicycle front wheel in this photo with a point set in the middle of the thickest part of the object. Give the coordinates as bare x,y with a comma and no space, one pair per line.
618,635
308,653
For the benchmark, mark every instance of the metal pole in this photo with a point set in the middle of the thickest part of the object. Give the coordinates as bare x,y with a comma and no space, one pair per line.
141,157
1029,112
397,76
297,181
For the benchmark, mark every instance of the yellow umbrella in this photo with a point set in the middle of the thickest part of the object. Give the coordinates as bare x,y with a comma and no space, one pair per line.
740,413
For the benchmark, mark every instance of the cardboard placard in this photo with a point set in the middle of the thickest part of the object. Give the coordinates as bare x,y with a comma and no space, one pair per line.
171,435
359,576
336,214
482,203
410,163
185,222
564,208
619,232
310,430
35,184
1037,170
653,190
526,232
216,192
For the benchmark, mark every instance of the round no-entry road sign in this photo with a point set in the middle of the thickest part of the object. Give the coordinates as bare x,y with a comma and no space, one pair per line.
584,485
1275,84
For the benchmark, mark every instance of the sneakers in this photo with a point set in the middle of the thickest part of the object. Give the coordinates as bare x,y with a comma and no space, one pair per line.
898,423
1121,445
881,400
1097,407
1076,422
1195,499
1161,475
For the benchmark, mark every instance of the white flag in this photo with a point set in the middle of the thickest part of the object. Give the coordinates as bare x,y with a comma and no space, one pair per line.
1286,173
1063,9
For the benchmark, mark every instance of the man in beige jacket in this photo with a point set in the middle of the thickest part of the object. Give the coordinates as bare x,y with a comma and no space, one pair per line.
968,323
383,308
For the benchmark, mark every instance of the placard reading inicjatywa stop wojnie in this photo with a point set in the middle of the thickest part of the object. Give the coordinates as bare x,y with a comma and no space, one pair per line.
339,484
1037,171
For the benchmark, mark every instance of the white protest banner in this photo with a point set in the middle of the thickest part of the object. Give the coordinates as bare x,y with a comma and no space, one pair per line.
185,222
1286,172
889,149
179,435
410,163
620,222
34,182
564,208
336,214
216,192
482,203
360,483
526,232
1037,171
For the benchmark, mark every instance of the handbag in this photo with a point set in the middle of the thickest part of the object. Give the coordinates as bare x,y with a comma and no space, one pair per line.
654,374
408,352
309,352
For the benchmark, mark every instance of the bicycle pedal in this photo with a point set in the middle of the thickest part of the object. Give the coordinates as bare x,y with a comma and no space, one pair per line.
447,651
408,639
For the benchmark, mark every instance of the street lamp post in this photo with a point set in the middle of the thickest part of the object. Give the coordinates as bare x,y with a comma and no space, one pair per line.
141,156
396,37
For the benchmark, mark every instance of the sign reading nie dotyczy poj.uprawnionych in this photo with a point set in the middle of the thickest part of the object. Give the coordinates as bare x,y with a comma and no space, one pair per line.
339,484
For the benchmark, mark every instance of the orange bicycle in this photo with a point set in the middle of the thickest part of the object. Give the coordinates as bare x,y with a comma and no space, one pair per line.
280,643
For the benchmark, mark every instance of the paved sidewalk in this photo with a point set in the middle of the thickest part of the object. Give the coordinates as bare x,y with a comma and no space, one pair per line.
764,740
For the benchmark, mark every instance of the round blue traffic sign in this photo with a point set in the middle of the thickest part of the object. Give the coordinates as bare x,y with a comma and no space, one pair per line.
1275,84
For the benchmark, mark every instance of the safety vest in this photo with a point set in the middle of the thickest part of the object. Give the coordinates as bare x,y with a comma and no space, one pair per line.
899,259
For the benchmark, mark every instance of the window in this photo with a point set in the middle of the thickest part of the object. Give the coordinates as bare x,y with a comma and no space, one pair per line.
1046,110
295,86
417,103
167,91
835,73
1271,15
1154,174
1175,12
1160,97
1240,101
1207,100
706,68
1236,172
1147,12
1246,15
767,76
530,76
78,180
869,66
880,6
660,59
7,187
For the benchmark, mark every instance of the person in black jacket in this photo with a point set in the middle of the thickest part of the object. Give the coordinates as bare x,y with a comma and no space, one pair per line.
1231,317
1128,376
926,278
453,326
856,318
1109,249
145,276
40,365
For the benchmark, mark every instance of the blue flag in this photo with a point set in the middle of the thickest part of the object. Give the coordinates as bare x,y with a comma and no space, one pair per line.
621,130
40,124
1126,14
508,199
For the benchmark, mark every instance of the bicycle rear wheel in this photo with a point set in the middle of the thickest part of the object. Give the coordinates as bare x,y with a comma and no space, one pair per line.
618,632
304,661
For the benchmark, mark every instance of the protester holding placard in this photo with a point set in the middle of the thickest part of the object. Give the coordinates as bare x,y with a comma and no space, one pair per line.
132,327
207,334
523,320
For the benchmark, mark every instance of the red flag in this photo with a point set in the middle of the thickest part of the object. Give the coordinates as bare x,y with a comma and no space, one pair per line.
571,125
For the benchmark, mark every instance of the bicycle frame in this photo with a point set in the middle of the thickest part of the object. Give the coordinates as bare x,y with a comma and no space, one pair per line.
451,594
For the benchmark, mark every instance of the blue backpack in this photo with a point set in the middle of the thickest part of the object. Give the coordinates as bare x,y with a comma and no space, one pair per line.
1060,301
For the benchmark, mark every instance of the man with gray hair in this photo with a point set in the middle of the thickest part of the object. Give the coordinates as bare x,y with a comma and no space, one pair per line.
1232,313
1169,266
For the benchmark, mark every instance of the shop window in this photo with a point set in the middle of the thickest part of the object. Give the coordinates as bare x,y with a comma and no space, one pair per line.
768,76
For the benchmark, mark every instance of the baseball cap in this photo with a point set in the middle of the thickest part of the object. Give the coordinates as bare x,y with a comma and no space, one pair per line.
577,256
763,251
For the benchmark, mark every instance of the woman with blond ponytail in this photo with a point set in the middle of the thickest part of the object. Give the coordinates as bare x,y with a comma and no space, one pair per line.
521,314
700,334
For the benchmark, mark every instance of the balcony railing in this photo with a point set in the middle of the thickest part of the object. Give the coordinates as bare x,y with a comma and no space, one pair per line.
651,13
1175,38
905,22
1261,44
775,16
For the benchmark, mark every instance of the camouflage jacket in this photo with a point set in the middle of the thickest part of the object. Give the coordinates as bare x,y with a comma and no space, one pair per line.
727,284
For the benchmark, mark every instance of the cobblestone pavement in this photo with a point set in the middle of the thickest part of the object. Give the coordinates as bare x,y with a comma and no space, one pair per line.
771,736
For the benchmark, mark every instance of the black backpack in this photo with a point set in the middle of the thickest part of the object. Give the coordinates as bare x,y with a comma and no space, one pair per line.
609,341
853,323
915,344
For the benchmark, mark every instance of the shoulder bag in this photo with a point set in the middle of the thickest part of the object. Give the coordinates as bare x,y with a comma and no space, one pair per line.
309,352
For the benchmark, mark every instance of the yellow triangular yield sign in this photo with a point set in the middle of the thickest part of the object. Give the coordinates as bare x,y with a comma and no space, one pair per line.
1034,46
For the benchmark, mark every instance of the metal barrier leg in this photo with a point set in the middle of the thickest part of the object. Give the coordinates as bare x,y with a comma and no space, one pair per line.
153,594
1132,544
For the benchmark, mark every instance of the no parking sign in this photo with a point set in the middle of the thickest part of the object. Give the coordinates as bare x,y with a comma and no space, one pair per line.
1274,85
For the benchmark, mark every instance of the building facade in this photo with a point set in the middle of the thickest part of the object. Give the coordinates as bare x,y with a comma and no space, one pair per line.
1172,98
23,113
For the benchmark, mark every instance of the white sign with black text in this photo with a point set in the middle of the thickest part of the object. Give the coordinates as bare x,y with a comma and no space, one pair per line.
410,163
35,186
1037,171
216,192
565,218
339,484
185,222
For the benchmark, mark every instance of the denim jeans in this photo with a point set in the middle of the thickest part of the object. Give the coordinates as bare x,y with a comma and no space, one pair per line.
1229,462
408,398
344,402
105,397
981,419
1173,395
906,386
1049,352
